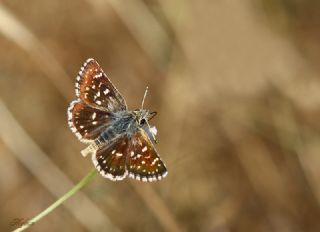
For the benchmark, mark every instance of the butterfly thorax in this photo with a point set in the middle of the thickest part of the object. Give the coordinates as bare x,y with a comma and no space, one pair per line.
123,123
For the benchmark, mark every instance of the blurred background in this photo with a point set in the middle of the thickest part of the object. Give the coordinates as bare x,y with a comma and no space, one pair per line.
237,90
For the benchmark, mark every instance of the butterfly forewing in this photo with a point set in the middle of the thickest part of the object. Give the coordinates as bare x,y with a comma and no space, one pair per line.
87,122
143,162
95,89
111,160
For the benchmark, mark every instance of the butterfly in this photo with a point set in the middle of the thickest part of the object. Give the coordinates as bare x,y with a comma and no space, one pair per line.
121,141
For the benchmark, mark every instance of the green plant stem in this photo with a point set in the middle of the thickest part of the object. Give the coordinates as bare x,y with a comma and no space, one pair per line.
66,196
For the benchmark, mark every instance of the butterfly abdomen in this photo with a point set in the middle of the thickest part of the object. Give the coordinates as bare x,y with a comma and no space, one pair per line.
106,135
119,126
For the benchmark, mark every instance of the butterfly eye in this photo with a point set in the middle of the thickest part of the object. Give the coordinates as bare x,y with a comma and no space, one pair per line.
142,121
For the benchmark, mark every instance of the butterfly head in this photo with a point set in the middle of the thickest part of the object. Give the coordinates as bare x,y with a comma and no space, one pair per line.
143,116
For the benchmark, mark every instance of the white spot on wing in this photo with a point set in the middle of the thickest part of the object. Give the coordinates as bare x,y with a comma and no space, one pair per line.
154,161
118,154
105,173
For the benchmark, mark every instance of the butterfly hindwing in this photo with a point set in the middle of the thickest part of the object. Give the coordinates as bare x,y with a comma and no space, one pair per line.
86,122
94,88
143,162
111,160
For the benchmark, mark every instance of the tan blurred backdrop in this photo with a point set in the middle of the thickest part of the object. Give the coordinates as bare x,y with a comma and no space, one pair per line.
236,86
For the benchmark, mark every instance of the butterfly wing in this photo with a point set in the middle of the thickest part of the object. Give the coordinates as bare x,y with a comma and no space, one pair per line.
151,132
98,99
111,160
94,88
86,122
143,162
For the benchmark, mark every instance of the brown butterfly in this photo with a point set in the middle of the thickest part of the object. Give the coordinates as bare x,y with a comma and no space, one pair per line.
121,141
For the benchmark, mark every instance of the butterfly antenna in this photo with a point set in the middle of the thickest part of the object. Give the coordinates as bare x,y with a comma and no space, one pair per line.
144,97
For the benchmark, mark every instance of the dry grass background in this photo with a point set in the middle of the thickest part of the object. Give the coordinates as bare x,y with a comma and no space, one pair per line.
235,83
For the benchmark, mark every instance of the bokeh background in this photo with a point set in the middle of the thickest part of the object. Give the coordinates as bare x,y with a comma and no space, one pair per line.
237,90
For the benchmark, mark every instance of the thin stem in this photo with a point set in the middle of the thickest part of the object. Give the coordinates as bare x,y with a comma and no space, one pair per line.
66,196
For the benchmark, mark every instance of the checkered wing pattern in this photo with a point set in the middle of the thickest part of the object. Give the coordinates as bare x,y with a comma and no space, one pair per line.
111,160
97,100
143,162
86,122
94,88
